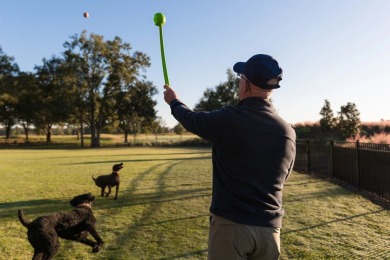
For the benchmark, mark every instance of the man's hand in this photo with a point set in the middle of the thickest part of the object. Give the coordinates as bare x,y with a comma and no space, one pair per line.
169,94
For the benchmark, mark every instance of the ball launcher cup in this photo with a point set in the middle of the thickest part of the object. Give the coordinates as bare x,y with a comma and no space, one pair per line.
159,20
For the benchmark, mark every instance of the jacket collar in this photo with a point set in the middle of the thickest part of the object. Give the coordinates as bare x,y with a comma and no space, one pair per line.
255,101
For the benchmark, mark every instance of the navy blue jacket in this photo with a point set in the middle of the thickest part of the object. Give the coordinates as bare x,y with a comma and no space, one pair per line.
253,154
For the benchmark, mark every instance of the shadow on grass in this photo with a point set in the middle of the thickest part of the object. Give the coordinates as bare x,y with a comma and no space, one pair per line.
151,198
34,207
121,155
128,236
295,183
152,202
334,221
154,223
176,186
125,242
327,193
144,160
127,196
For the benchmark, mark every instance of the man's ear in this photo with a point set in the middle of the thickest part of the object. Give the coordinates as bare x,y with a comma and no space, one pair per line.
247,87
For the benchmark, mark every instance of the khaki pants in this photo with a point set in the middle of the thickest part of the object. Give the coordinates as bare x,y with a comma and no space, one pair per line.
229,240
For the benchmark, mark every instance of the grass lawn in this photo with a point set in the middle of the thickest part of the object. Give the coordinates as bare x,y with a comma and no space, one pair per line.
162,210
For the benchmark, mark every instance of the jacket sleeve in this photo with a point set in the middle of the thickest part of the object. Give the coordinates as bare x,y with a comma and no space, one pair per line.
203,124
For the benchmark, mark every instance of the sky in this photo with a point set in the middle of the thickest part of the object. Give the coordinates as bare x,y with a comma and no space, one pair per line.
335,50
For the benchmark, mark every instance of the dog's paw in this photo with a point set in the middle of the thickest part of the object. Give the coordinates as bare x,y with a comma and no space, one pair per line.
96,248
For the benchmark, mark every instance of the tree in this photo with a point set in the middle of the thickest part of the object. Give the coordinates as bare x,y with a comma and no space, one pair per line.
349,120
136,108
75,70
179,130
55,100
27,104
106,69
8,94
224,94
157,127
328,121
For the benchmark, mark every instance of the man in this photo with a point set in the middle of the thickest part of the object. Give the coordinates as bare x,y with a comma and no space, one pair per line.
253,154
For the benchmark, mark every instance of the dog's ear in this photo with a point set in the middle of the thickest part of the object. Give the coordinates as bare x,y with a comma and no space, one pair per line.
75,201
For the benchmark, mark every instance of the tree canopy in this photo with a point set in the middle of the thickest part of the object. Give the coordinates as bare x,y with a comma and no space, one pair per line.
346,124
328,121
349,120
91,83
222,95
8,79
104,69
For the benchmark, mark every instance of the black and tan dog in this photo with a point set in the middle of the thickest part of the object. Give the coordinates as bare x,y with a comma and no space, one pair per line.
109,180
43,232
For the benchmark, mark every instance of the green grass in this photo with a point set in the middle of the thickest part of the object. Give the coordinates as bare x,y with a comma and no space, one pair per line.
162,210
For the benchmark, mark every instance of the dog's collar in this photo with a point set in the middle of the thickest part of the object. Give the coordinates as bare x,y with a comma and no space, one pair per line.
116,172
85,205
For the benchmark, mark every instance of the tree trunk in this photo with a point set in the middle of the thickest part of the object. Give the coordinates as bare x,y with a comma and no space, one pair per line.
93,128
7,132
82,136
25,128
126,134
48,134
81,121
95,138
93,135
98,137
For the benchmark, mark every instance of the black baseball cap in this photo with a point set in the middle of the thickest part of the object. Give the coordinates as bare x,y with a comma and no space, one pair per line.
259,69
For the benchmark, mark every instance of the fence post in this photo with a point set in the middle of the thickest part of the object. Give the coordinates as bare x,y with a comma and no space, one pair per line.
357,163
308,154
331,142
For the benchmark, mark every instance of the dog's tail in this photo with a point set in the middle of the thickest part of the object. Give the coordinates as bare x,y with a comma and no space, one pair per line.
93,179
26,222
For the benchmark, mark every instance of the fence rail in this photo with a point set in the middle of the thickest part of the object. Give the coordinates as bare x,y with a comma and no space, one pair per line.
363,165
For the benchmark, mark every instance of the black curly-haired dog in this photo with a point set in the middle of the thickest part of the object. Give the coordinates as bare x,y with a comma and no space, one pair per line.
109,180
43,232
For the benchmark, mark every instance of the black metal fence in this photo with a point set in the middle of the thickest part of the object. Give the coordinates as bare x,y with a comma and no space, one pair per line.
363,165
